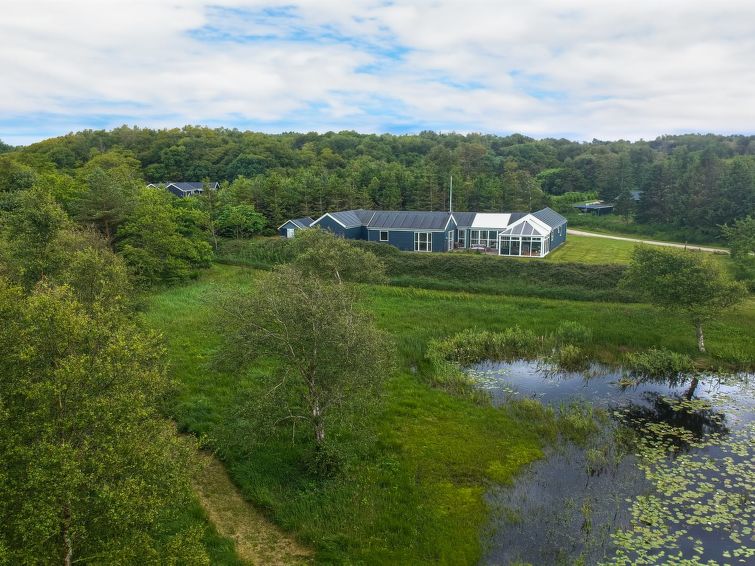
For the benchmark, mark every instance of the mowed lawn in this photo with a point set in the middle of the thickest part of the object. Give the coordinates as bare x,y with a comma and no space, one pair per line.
584,249
587,249
416,493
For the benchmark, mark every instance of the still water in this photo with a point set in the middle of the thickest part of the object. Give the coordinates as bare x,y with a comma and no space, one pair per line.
569,506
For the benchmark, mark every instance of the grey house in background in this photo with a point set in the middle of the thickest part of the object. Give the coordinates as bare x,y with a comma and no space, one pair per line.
185,188
520,234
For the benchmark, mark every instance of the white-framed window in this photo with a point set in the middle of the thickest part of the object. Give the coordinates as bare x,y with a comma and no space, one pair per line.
290,232
484,238
423,241
450,240
383,235
524,246
462,238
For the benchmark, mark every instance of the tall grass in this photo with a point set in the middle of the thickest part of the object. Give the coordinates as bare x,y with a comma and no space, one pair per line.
416,494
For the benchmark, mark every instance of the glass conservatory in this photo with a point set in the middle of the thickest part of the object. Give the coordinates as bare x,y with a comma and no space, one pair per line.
524,240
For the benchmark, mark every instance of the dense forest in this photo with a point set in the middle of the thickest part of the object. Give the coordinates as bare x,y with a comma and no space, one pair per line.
102,357
693,183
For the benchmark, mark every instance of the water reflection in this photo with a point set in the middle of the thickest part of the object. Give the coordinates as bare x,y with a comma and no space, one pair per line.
699,419
566,506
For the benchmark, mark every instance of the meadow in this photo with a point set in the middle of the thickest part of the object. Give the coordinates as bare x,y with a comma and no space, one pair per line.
413,491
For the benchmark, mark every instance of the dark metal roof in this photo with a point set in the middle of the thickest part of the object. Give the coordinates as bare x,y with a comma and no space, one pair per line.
408,220
303,222
348,218
464,219
549,217
423,220
593,207
190,185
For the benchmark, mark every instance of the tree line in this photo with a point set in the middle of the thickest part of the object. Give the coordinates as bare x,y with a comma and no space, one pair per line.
692,182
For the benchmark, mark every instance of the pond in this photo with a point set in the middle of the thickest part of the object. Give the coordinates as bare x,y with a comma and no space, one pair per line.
668,476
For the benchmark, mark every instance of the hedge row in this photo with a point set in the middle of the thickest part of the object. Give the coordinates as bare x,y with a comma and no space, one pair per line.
457,267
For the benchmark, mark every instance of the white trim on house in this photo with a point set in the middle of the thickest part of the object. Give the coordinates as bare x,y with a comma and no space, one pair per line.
534,221
287,222
451,217
334,219
387,235
543,240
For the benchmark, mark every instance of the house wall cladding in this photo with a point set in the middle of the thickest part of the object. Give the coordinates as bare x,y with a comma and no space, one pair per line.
354,233
557,236
282,230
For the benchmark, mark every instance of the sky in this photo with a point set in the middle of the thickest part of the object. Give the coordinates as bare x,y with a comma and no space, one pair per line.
580,69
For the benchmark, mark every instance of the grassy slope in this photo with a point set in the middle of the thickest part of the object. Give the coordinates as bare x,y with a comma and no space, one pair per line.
416,496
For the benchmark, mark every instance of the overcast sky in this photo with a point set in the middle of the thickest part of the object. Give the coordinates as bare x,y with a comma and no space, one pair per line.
578,69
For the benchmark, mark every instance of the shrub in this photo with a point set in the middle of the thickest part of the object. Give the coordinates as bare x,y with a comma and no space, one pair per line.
260,252
658,362
472,346
570,332
448,356
475,267
571,358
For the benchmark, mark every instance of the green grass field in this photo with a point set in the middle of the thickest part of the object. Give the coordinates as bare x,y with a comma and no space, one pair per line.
415,495
616,225
584,249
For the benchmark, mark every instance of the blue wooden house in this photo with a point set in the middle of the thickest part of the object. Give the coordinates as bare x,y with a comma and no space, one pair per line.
289,227
512,233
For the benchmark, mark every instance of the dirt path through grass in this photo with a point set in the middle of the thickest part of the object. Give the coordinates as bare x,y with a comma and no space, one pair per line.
257,541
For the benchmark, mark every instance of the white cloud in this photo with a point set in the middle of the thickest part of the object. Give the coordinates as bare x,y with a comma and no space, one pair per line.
582,68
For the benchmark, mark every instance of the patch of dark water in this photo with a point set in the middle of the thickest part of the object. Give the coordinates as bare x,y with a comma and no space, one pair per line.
668,478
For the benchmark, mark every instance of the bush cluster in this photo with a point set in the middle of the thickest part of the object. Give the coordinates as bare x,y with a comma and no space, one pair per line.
658,362
475,273
570,332
470,346
474,267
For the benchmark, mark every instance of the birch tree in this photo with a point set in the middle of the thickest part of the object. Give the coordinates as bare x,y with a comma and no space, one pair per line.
688,283
329,353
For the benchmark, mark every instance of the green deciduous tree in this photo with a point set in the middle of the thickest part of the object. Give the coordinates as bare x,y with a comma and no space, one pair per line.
31,246
89,471
624,205
240,221
161,242
741,238
322,254
689,283
330,355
